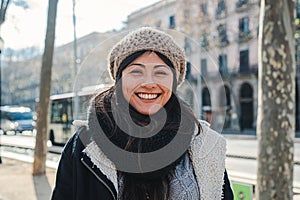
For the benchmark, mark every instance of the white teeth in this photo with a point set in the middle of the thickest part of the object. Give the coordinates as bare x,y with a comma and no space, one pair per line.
147,96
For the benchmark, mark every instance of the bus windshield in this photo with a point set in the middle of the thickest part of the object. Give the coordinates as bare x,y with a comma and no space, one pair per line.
14,116
61,111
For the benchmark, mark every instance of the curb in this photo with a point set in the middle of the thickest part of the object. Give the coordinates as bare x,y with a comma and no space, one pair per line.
28,159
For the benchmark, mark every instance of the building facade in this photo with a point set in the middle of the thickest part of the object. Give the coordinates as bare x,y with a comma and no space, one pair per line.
220,40
21,79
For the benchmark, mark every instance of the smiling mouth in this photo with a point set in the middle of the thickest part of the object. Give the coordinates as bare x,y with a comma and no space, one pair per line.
147,96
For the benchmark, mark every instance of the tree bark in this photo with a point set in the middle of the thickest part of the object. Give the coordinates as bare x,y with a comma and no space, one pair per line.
40,152
3,8
276,101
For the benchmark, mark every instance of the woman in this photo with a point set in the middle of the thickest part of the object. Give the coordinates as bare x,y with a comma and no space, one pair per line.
141,141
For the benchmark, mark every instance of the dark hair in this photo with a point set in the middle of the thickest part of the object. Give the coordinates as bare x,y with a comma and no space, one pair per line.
133,188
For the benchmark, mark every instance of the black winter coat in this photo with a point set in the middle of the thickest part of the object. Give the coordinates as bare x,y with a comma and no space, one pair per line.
78,179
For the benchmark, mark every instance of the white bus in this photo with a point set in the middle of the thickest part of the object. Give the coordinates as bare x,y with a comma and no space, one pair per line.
61,112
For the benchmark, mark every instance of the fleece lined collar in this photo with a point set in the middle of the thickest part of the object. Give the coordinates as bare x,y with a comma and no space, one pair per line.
207,153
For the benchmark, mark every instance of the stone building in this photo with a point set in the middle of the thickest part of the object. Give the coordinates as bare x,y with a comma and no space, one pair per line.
20,80
220,39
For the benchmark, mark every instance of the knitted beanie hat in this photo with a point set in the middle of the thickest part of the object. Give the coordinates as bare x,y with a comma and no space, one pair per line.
151,39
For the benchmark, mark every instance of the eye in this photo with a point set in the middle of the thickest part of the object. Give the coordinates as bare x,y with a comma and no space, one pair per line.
160,72
136,71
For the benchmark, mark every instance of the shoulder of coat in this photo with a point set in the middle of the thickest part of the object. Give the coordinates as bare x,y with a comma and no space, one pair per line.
208,136
80,123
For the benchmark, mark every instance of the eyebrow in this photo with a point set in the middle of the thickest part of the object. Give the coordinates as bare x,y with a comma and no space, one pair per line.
144,66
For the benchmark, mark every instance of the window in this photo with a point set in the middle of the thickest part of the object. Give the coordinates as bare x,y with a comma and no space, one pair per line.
221,9
298,10
187,46
203,8
61,111
241,5
244,28
246,105
204,41
172,22
244,25
223,41
223,64
188,70
206,105
226,105
15,116
298,53
244,61
206,97
203,67
227,94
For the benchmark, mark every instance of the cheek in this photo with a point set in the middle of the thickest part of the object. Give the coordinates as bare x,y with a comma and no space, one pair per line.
170,88
167,89
167,84
128,87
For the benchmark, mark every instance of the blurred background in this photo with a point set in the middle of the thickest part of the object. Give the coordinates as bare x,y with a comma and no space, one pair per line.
220,38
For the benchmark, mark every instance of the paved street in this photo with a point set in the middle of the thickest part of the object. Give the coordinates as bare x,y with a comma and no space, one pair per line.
244,170
240,163
246,146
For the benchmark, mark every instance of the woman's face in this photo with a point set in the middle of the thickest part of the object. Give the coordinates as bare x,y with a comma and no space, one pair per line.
147,83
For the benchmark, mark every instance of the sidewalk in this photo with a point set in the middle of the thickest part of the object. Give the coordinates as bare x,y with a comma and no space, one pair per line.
17,182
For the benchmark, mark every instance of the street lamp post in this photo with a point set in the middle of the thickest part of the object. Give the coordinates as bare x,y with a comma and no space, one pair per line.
76,98
199,87
1,48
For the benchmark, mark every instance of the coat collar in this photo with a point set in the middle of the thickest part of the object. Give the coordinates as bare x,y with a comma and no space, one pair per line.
207,153
105,165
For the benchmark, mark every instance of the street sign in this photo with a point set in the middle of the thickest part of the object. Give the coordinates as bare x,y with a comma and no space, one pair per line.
242,191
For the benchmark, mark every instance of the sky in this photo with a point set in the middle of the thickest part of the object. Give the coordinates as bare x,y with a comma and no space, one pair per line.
26,28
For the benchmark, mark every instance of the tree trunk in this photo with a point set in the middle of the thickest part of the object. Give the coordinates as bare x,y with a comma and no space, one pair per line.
3,8
40,152
276,101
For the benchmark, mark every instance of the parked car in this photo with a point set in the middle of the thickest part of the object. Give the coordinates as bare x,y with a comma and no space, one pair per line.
17,119
6,125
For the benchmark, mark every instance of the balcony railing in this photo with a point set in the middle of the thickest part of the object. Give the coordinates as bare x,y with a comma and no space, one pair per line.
241,5
223,41
220,13
244,36
221,10
205,43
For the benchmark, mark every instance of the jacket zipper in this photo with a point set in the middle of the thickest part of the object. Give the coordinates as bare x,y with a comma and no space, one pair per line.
91,170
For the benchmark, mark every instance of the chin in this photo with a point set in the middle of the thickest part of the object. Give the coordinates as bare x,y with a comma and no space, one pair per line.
146,112
150,111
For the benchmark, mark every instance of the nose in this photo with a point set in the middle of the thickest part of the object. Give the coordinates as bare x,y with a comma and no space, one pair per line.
148,85
148,82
